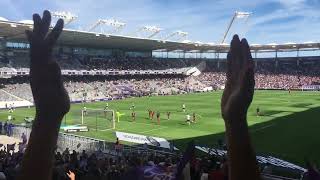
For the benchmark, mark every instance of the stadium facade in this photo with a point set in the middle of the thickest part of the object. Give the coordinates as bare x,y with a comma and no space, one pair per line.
79,42
76,47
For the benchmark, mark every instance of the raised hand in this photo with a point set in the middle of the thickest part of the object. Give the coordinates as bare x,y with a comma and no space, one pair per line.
71,175
50,97
239,88
236,99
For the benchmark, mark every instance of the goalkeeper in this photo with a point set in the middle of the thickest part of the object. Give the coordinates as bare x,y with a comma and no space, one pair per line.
118,114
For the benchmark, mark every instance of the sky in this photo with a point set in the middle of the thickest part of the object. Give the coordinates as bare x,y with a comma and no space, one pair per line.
272,21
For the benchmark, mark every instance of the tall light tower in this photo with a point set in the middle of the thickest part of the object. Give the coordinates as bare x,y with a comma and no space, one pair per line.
234,17
116,25
68,17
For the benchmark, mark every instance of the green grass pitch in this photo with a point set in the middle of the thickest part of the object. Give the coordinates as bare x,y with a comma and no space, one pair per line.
289,128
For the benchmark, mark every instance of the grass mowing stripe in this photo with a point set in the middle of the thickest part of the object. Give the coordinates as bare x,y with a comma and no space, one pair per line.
288,129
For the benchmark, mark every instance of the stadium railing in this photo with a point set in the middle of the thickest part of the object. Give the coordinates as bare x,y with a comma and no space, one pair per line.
273,177
18,130
79,143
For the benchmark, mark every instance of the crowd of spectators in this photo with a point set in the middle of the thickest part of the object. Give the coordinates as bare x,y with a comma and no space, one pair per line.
285,75
101,87
103,166
20,60
124,164
119,163
269,75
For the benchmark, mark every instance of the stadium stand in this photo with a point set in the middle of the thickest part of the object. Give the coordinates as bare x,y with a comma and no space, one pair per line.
133,80
269,75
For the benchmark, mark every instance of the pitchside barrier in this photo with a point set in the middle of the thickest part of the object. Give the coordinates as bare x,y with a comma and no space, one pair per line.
18,130
70,141
79,143
261,159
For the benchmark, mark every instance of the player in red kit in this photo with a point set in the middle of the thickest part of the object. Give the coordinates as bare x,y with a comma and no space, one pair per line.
152,114
194,117
158,117
168,115
133,115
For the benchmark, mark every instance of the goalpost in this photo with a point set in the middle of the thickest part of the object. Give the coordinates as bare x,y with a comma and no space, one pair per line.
100,119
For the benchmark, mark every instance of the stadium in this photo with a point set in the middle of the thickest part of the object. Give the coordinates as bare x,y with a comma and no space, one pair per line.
142,89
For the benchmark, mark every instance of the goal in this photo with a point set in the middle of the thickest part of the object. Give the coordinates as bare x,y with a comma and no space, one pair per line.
99,119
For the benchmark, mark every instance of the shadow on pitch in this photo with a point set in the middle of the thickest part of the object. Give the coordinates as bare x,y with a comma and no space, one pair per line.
293,137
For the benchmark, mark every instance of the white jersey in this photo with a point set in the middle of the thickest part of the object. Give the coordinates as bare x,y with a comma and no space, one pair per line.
183,106
188,117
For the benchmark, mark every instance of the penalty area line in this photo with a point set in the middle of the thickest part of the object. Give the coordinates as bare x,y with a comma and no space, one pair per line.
106,129
264,127
154,129
149,124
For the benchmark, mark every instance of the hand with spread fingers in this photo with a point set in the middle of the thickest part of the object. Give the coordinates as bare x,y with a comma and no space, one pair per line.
71,175
50,97
236,99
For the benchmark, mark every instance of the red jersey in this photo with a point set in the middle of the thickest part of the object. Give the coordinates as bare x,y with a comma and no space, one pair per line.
216,175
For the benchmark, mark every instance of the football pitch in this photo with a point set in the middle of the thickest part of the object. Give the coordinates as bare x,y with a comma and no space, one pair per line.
289,127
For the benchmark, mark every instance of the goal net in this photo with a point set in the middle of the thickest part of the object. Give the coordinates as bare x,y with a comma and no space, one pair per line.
96,119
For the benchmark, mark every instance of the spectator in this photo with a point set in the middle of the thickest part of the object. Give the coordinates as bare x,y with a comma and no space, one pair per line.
236,99
24,138
50,97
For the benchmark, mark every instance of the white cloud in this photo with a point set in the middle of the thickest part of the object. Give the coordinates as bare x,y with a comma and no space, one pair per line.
290,3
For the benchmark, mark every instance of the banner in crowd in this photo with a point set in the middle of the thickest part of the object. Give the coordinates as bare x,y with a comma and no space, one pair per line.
311,87
261,159
142,139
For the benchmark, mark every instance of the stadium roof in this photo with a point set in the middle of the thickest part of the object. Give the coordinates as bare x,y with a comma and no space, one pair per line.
14,31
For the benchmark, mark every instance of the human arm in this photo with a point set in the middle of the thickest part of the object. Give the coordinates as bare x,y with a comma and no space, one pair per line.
71,175
50,98
236,99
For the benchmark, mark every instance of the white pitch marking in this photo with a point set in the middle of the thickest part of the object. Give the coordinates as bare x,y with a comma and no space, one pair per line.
264,127
154,129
